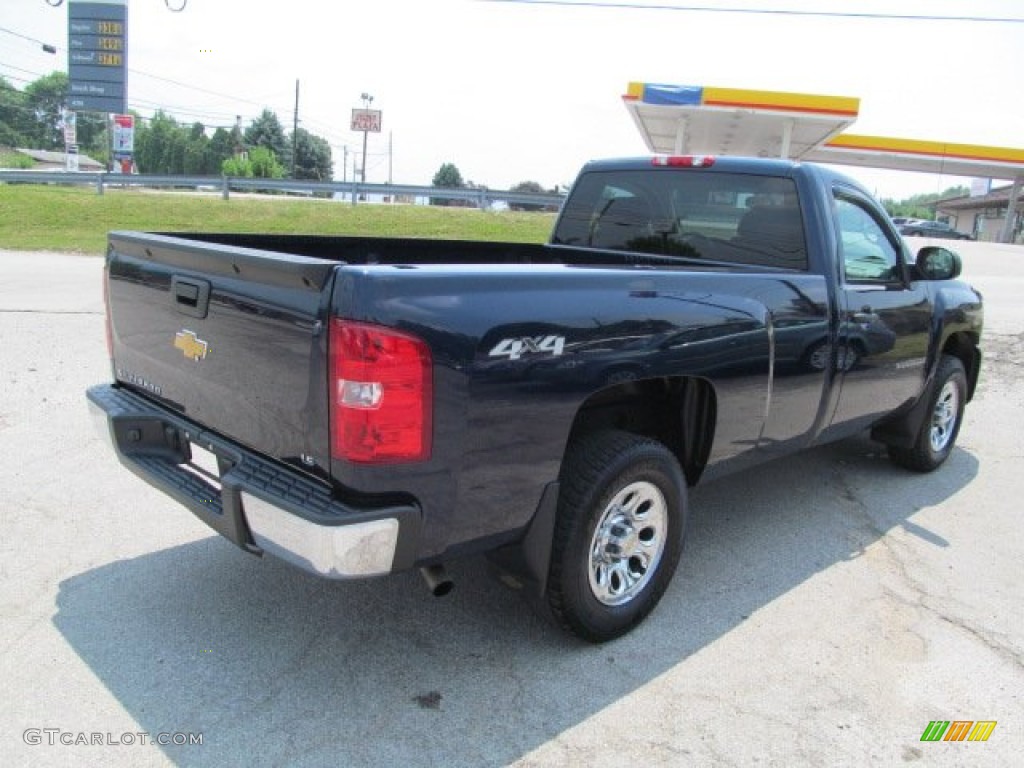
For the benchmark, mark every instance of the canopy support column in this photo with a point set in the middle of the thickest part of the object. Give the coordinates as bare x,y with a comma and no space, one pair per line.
787,138
1006,236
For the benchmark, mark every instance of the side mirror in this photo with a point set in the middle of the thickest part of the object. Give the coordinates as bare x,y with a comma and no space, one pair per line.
935,263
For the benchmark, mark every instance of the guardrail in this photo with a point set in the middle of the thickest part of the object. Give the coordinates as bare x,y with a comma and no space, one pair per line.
356,191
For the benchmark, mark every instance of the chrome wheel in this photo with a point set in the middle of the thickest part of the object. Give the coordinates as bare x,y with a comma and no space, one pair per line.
935,434
628,543
944,416
618,533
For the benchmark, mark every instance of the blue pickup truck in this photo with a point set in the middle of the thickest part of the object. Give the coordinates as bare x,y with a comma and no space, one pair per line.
361,406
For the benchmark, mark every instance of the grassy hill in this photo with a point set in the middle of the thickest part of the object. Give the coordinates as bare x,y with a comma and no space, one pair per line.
76,219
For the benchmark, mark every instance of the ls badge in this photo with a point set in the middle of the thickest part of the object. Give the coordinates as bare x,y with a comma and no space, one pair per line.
191,345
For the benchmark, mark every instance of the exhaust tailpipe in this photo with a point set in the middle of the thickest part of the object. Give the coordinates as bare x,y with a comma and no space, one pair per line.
437,580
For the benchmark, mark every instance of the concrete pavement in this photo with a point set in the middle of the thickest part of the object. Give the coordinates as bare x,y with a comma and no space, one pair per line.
827,607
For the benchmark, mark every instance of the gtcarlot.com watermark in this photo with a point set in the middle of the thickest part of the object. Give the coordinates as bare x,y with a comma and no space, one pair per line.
53,737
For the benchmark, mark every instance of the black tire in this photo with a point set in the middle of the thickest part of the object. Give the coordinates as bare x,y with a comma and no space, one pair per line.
941,425
618,533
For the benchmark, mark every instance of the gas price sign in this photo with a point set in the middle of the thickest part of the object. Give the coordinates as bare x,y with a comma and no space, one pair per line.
97,31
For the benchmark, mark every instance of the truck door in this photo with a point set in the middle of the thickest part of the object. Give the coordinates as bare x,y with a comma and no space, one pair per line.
885,317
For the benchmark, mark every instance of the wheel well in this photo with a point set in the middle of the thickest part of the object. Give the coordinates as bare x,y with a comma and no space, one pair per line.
965,347
679,412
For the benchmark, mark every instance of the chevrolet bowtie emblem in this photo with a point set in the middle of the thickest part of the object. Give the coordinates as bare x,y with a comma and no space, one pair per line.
191,345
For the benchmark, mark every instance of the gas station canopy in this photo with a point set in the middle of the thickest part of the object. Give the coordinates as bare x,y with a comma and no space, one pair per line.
921,156
681,119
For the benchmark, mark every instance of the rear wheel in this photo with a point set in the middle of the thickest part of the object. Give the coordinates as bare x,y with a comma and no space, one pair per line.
618,534
937,436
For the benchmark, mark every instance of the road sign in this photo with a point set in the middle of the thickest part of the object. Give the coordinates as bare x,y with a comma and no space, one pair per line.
123,134
97,35
366,120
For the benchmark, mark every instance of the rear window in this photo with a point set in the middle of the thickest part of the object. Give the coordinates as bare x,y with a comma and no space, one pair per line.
728,217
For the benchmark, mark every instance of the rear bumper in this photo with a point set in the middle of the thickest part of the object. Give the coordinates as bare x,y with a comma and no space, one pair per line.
259,504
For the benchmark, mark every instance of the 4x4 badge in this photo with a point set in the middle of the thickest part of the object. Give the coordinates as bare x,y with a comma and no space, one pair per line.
191,345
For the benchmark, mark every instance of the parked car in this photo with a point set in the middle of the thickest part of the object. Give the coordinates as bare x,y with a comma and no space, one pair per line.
918,228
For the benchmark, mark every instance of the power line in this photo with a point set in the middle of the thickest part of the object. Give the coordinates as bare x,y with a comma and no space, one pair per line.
21,69
181,114
17,79
178,112
760,11
26,37
150,75
327,126
196,88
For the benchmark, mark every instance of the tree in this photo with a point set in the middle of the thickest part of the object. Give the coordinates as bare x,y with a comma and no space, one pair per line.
195,151
15,116
266,131
160,146
237,140
237,166
34,118
312,157
46,99
921,206
94,140
527,188
447,177
172,160
218,149
92,135
264,164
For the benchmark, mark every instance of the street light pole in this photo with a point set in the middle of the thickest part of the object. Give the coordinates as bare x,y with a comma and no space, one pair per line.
367,101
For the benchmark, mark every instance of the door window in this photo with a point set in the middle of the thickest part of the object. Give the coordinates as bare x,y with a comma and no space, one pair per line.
868,254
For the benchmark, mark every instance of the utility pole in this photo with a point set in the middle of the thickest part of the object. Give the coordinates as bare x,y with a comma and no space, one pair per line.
295,126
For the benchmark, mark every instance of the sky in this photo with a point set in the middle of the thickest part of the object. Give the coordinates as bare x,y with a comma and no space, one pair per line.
517,91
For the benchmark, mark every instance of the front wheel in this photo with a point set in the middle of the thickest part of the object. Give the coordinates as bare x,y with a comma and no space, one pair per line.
938,432
618,534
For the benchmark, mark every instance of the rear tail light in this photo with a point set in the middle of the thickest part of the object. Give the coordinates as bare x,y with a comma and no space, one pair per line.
683,161
381,394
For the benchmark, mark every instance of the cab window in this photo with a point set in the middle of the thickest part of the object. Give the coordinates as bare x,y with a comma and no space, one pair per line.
730,218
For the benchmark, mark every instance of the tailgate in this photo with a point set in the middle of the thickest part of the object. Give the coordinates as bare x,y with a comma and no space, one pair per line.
233,338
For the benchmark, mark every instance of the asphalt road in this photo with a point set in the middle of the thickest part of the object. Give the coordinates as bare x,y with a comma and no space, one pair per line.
827,609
